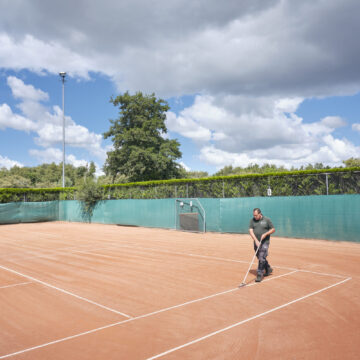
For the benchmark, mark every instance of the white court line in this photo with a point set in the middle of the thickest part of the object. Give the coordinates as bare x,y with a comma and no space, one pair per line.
215,258
19,284
45,253
170,252
321,273
208,297
64,291
129,320
91,251
245,321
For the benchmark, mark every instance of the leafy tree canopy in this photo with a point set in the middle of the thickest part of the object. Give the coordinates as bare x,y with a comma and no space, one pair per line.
250,169
352,162
45,176
141,152
267,168
195,174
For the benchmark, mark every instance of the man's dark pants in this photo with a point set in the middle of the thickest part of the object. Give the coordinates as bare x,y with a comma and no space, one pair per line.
262,254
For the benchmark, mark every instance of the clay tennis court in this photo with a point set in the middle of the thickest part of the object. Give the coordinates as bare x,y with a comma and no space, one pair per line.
91,291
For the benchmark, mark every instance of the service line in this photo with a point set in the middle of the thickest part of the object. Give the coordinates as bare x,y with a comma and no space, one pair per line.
214,258
134,318
156,250
245,321
18,284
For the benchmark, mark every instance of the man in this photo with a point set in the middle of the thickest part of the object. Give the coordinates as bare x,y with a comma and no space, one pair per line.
260,230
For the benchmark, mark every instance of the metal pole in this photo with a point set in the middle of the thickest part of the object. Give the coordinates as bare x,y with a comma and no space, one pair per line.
62,75
327,184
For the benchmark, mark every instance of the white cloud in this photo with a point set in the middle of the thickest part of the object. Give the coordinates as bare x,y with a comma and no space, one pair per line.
325,126
356,127
248,47
187,127
99,171
251,63
333,121
330,152
220,158
288,105
47,125
7,163
71,159
75,135
25,92
47,156
14,121
187,168
266,131
240,128
42,56
55,155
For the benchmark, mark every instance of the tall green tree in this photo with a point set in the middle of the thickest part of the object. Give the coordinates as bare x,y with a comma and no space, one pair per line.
141,152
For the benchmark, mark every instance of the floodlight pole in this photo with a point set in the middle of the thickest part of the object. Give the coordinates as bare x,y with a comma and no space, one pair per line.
62,75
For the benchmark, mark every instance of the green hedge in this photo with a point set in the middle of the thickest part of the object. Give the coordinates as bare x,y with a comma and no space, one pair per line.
32,195
290,183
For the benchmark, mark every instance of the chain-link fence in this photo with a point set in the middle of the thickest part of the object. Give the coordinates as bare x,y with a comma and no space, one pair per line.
291,185
322,183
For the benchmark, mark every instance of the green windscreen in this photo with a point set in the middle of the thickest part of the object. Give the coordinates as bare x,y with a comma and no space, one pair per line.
150,213
29,212
333,217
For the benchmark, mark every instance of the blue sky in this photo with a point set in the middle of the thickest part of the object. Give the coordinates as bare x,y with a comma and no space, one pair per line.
247,82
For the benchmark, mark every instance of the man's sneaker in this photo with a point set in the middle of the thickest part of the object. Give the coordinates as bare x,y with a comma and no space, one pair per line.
259,277
268,271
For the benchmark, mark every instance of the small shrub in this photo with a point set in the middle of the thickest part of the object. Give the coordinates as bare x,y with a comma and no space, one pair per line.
90,194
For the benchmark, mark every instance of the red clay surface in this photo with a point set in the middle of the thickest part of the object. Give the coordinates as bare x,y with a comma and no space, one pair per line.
91,291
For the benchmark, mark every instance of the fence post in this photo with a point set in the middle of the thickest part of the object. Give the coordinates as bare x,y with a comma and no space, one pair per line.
327,183
187,190
269,188
175,191
223,189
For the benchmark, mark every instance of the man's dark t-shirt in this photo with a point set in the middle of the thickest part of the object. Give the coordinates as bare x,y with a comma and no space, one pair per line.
261,227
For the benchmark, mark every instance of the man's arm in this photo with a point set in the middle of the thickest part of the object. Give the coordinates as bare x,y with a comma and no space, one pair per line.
271,231
251,231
